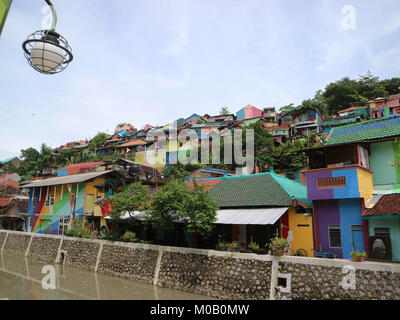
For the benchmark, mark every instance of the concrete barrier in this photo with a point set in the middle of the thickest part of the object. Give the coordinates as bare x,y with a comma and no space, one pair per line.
218,274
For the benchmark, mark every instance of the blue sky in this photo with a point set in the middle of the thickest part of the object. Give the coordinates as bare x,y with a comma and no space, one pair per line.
156,61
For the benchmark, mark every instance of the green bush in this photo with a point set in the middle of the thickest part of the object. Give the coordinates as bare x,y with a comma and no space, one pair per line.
278,246
232,246
254,246
129,236
146,242
113,235
221,246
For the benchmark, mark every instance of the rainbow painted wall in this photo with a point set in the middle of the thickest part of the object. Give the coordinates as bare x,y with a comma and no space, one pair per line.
45,216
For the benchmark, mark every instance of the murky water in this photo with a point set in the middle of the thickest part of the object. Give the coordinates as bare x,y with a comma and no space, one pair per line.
21,279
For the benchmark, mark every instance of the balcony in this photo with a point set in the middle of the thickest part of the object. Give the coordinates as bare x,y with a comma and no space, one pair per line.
351,181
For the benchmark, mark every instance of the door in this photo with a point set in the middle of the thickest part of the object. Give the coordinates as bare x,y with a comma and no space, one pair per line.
357,238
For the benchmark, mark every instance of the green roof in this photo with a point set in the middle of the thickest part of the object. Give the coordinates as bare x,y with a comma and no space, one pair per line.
340,121
258,190
368,130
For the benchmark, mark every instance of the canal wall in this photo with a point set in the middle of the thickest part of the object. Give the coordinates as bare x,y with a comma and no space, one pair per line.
224,275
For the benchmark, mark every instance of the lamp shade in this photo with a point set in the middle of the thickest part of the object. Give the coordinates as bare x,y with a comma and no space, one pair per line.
47,51
47,57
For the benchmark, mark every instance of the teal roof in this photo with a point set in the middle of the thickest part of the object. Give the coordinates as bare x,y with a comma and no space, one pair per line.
340,121
258,190
206,124
368,130
7,160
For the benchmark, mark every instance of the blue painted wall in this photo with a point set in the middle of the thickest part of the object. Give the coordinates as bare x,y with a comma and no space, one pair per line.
350,214
351,190
240,115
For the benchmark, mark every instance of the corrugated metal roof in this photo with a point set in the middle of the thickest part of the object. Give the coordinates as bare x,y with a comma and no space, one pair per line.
74,178
250,216
231,216
368,130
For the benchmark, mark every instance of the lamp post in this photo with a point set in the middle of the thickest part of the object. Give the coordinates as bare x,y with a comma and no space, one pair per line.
46,50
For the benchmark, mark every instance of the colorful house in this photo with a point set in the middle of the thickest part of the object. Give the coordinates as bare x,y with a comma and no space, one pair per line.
279,133
248,112
193,119
344,179
259,207
53,201
13,203
270,117
384,107
131,147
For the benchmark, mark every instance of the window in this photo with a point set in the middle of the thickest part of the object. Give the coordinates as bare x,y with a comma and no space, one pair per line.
52,197
34,202
333,182
63,226
47,203
382,232
334,236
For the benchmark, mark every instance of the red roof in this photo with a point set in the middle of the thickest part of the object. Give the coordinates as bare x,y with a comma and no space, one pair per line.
84,165
9,182
209,184
283,126
5,201
351,109
132,144
389,204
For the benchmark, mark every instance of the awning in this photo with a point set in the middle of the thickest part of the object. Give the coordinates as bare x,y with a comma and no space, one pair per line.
14,215
138,215
73,178
232,216
250,216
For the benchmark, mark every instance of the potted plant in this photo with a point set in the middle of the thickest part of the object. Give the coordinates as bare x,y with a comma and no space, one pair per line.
278,246
221,245
254,246
129,237
356,256
232,246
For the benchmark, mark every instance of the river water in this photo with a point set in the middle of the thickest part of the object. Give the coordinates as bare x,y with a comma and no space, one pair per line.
21,279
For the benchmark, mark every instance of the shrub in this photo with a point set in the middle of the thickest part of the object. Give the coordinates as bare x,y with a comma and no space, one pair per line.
278,246
254,246
113,235
356,255
221,246
146,242
232,246
129,236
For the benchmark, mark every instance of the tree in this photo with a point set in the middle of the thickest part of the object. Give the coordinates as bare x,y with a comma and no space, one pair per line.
179,171
392,86
288,155
288,107
99,140
343,94
224,110
263,144
318,102
135,197
33,161
176,202
370,87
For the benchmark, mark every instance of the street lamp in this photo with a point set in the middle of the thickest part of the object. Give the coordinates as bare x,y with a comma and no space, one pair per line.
46,50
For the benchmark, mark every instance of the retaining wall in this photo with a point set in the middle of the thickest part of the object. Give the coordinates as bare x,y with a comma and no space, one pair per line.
218,274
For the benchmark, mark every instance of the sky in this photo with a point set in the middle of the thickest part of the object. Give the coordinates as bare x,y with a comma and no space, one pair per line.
156,61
